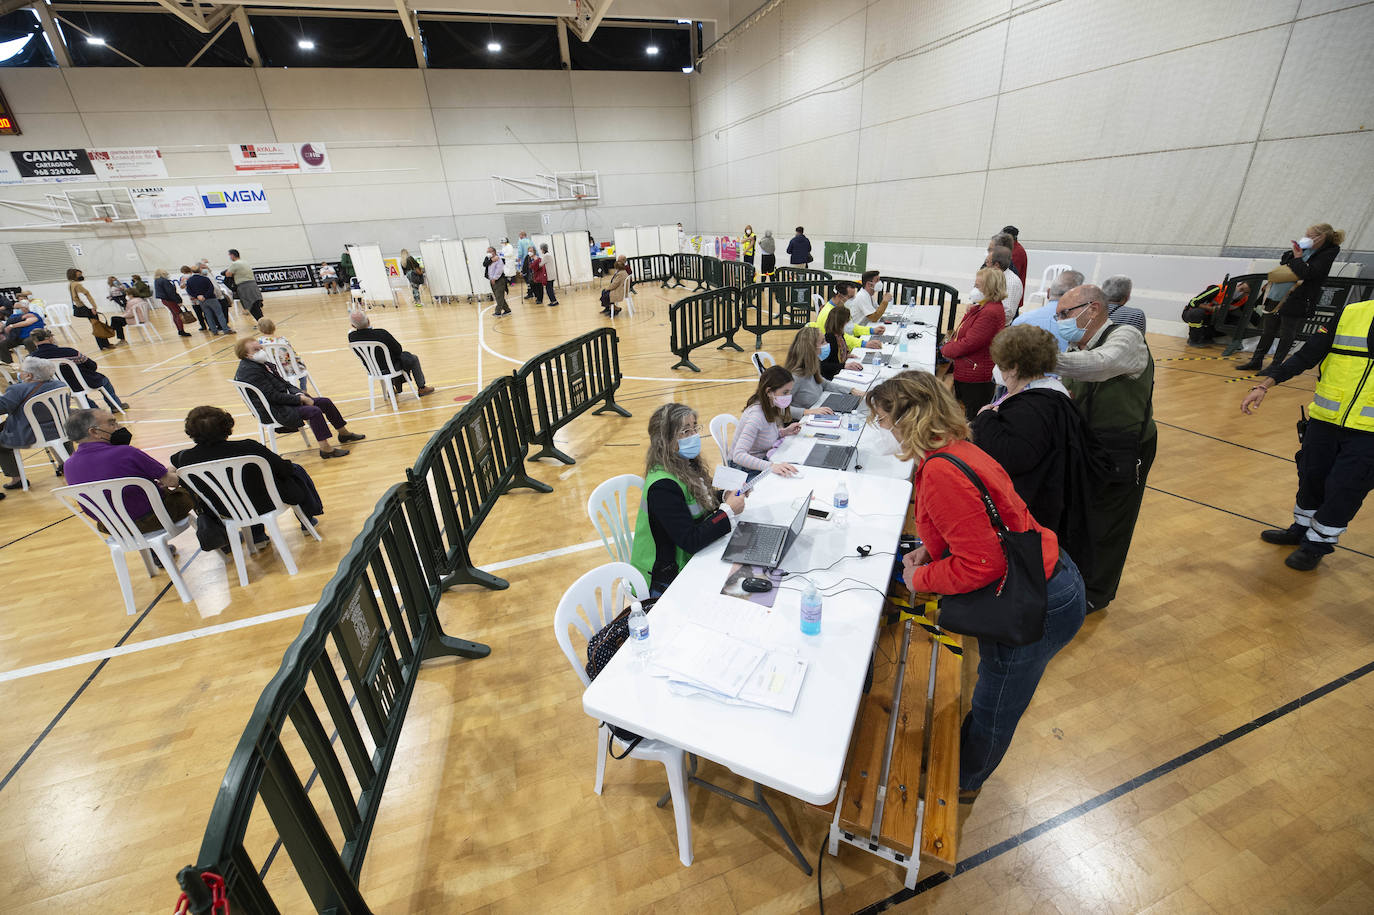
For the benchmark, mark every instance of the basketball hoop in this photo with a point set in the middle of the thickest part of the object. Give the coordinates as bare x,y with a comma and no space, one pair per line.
106,219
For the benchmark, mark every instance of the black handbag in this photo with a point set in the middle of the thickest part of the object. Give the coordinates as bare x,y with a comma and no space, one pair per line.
1011,611
601,647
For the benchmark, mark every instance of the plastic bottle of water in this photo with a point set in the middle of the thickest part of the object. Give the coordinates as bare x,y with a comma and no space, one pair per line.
639,634
811,611
841,503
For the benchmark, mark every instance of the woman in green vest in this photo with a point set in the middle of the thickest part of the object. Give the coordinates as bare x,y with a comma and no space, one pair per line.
679,512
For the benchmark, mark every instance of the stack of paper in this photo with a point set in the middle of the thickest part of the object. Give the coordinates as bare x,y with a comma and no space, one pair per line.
730,667
848,376
822,421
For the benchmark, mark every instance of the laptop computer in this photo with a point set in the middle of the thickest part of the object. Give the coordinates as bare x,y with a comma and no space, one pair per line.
840,403
883,338
765,544
874,358
830,457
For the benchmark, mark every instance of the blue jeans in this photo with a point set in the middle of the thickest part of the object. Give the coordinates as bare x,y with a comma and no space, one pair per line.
1008,676
213,310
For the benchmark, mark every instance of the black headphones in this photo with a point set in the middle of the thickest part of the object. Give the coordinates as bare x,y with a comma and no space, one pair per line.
864,549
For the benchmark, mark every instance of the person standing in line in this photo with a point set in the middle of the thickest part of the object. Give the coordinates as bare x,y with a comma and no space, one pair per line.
539,279
1111,374
76,293
768,253
245,286
1018,253
1289,303
166,292
1044,317
523,247
195,305
1336,460
496,275
510,262
747,243
999,256
799,249
346,272
201,289
550,273
970,348
414,274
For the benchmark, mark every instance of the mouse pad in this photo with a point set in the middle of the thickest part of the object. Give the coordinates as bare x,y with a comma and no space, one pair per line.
734,584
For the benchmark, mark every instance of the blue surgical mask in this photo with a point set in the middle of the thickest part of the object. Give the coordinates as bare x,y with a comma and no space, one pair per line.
1068,330
689,446
825,350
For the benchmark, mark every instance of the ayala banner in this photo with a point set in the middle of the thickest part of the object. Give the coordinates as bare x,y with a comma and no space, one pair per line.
279,158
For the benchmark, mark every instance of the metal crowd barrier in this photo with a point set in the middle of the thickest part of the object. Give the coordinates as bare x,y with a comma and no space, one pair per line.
649,267
362,645
567,381
924,292
779,306
701,318
737,273
799,275
1337,292
691,267
475,457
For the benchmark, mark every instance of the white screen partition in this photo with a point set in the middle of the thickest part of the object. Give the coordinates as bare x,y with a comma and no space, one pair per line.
667,239
646,238
456,265
550,262
436,271
626,242
579,259
474,252
371,273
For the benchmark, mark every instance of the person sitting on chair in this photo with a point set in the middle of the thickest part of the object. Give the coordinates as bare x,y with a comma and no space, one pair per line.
103,452
291,407
18,326
680,512
267,336
90,373
1198,313
364,332
764,424
209,428
35,377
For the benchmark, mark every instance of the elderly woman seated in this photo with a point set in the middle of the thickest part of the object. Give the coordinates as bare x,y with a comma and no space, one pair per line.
35,377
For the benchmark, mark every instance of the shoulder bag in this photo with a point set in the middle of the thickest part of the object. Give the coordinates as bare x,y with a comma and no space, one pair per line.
1012,610
601,647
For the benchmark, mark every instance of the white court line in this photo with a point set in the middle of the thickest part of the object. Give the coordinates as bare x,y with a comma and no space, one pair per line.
180,354
190,634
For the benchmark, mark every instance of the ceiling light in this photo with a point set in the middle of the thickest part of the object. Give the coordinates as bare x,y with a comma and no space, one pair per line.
651,49
493,46
305,44
684,22
10,48
91,39
689,69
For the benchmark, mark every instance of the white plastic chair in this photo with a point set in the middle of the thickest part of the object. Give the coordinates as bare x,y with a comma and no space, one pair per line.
83,392
257,404
59,317
1047,278
723,431
7,375
284,355
149,329
601,595
56,405
609,509
104,500
374,357
762,360
220,483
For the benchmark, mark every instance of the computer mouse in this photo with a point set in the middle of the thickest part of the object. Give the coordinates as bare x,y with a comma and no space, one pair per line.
913,335
756,585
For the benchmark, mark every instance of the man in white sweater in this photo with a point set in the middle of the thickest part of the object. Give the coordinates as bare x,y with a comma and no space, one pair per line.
1000,258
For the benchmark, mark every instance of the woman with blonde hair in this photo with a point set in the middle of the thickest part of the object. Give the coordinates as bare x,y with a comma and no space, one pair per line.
267,334
808,383
680,513
969,350
961,553
617,288
1290,303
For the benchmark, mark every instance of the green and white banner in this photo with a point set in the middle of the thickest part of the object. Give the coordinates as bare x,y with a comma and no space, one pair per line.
846,257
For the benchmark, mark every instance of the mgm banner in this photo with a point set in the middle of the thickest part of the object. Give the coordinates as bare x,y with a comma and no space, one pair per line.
845,257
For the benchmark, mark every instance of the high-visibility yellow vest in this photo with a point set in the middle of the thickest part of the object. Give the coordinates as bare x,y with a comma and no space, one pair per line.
1345,392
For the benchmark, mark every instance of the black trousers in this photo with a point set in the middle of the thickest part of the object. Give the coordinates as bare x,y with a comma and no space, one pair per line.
1335,474
1284,327
974,395
1111,517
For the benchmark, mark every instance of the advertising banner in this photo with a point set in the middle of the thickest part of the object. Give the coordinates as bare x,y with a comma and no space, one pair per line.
296,276
53,165
233,199
845,257
128,162
159,202
279,158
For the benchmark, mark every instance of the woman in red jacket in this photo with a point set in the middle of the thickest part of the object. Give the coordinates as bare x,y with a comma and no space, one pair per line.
960,553
969,349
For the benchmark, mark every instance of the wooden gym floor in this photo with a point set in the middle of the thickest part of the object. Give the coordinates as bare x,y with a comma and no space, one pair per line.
1119,793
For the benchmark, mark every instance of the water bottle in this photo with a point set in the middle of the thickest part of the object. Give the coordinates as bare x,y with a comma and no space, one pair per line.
841,503
811,611
639,634
855,422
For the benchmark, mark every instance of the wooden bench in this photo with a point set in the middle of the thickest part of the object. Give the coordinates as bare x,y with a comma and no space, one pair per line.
899,798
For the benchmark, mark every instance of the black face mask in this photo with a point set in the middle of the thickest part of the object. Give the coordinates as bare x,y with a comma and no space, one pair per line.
121,436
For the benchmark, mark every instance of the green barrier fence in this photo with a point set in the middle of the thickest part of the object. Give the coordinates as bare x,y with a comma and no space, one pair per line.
562,383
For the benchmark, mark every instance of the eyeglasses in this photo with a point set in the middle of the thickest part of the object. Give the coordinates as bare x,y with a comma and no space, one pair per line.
687,431
1068,311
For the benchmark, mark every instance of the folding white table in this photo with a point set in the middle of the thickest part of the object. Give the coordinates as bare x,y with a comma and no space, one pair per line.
802,753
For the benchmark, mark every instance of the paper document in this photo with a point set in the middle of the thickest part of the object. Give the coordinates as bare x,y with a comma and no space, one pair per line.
851,377
822,421
709,659
745,616
776,682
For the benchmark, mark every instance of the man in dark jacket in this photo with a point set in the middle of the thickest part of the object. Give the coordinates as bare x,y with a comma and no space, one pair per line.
90,373
799,249
397,358
291,407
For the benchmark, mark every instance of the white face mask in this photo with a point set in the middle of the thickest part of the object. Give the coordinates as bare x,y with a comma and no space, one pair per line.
975,295
997,377
261,356
1305,243
887,442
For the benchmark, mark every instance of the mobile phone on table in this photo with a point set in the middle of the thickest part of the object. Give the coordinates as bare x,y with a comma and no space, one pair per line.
828,436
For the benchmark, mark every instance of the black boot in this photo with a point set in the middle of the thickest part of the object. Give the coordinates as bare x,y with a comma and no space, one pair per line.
1254,365
1289,536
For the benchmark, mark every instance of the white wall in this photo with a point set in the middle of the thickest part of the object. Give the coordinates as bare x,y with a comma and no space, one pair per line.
1164,128
412,152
